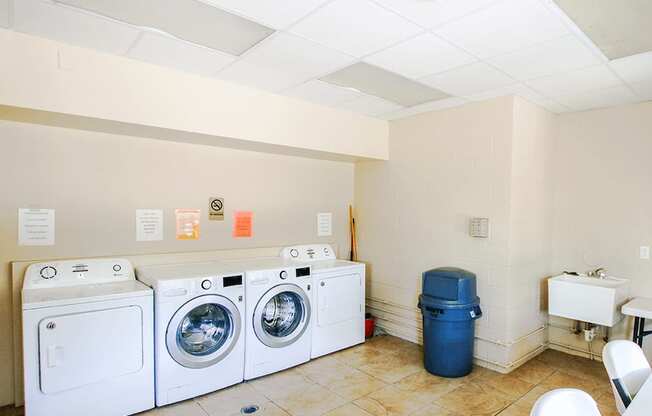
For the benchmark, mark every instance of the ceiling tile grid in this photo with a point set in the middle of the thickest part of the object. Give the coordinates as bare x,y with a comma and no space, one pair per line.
446,51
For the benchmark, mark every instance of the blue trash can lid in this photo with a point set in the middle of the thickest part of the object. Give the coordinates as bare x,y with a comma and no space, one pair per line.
450,284
431,302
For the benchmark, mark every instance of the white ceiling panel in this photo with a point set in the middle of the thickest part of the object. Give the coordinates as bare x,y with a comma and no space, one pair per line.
558,55
433,13
417,57
45,19
635,68
4,13
643,89
282,61
167,51
600,98
575,82
425,107
503,27
516,89
322,93
357,27
470,79
370,105
276,14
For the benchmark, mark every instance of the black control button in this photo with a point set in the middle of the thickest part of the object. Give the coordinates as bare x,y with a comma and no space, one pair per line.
48,272
117,268
206,284
283,275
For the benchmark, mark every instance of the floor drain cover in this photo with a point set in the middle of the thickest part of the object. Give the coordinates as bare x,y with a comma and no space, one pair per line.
248,410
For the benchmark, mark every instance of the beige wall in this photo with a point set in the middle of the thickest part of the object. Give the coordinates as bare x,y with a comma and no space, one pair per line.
488,159
603,201
46,75
95,181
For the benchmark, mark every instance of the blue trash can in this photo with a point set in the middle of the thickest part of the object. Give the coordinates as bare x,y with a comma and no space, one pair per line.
449,305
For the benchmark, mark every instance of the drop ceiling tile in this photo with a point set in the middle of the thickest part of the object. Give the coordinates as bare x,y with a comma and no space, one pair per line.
370,105
431,14
417,57
643,89
167,51
426,107
378,82
276,14
575,82
470,79
357,27
4,13
503,27
520,90
607,97
322,93
558,55
283,61
634,68
46,19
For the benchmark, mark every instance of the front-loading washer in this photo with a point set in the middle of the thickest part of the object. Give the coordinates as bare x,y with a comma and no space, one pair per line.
87,339
278,315
198,332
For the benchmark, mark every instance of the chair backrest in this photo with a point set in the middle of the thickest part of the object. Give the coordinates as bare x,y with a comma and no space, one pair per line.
627,368
566,402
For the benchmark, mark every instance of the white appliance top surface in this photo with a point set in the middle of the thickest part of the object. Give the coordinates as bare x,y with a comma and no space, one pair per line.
183,271
321,257
70,295
641,307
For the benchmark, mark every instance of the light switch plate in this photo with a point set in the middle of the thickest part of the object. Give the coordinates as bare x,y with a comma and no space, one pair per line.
479,227
644,252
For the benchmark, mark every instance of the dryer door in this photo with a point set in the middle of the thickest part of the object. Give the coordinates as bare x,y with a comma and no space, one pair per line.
203,331
282,315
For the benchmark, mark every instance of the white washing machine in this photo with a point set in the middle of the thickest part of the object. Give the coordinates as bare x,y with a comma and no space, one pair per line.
87,339
338,298
278,314
199,337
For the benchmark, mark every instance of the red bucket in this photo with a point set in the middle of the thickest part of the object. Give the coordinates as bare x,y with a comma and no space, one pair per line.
369,325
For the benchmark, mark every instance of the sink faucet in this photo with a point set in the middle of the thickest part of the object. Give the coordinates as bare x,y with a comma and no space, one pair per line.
599,273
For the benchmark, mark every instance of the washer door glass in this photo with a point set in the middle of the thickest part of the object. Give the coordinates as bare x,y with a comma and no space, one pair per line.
205,329
282,314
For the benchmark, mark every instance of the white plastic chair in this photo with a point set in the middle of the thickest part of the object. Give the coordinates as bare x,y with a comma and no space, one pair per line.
628,369
566,402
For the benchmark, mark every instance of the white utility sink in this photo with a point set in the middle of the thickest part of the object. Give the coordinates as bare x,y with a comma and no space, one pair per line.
587,299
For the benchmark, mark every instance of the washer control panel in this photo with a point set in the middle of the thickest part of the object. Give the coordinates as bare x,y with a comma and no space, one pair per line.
309,252
77,272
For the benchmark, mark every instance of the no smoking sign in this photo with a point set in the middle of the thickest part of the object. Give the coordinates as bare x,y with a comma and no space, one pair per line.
216,209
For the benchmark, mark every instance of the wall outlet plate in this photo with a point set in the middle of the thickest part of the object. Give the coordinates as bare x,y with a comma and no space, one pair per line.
644,252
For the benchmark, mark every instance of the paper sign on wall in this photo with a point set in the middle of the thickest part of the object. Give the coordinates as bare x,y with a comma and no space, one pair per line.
216,209
243,222
35,227
324,224
149,225
187,224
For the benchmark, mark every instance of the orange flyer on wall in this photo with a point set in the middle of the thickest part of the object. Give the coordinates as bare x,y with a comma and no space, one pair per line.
243,222
187,224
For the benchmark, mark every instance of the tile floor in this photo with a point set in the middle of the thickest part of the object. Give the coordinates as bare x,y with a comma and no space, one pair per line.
385,377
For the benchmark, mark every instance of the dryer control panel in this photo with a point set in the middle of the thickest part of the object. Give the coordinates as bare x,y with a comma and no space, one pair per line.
309,252
77,272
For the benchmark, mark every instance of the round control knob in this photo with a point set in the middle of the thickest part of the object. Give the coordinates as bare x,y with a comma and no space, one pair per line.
283,275
48,272
294,253
117,268
206,284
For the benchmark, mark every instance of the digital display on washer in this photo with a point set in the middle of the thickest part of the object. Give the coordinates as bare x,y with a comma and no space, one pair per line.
232,280
303,271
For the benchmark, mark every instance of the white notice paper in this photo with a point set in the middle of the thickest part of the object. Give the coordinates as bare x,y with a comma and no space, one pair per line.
324,224
35,227
149,224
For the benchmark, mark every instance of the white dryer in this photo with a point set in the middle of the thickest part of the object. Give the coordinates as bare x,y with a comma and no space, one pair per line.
338,297
278,313
87,339
199,339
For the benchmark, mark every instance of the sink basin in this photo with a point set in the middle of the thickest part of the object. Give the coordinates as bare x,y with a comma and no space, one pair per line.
587,299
